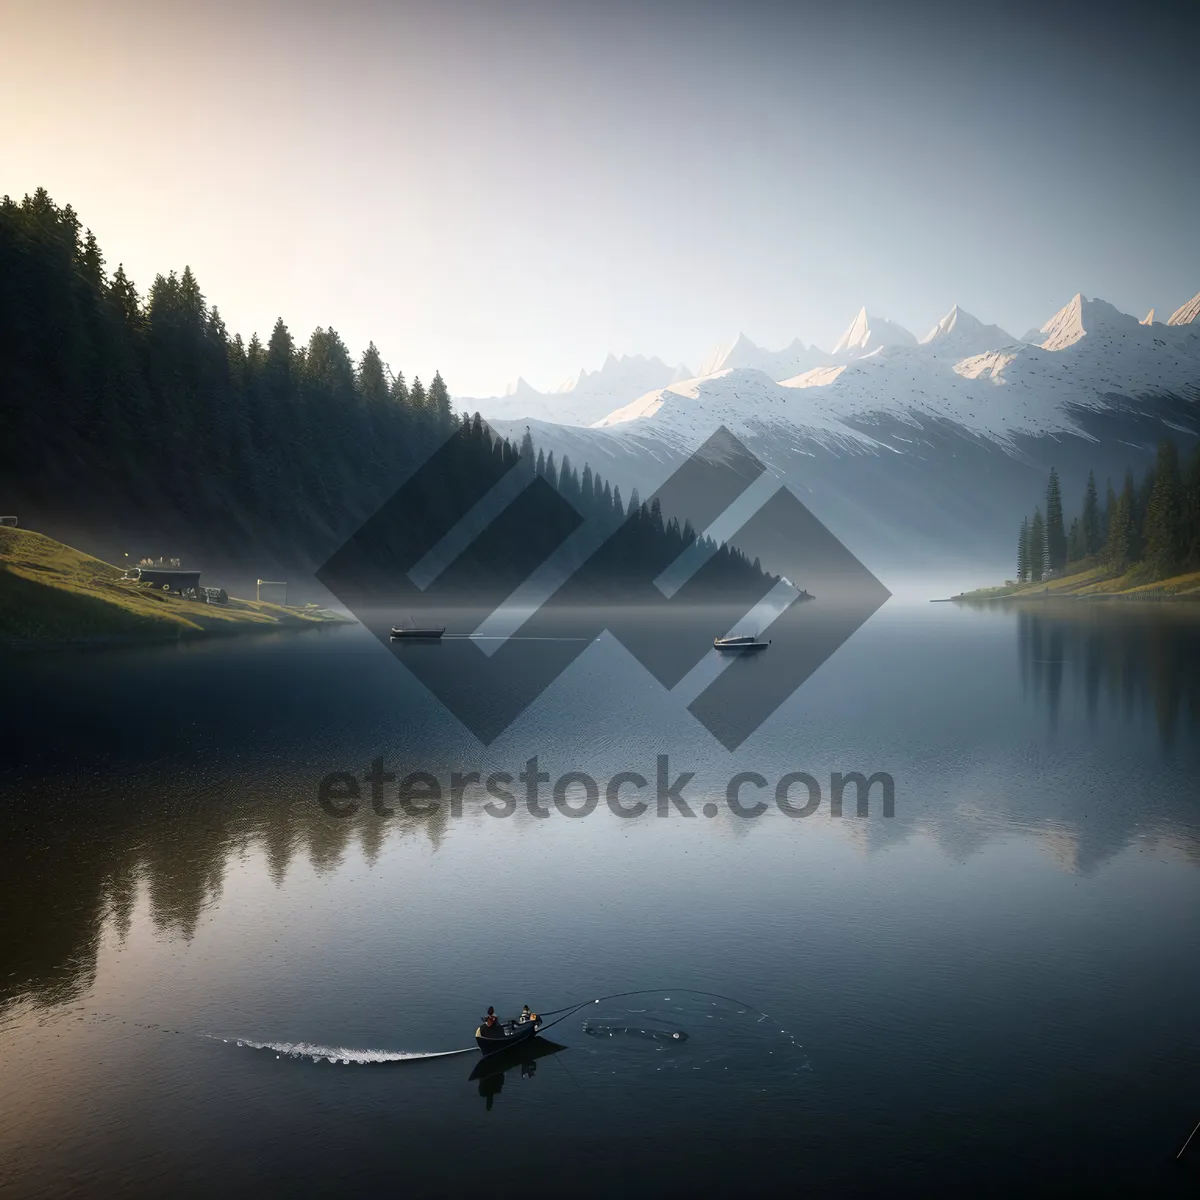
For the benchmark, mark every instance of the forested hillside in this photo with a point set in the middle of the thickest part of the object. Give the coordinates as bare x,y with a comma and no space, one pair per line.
142,422
1153,527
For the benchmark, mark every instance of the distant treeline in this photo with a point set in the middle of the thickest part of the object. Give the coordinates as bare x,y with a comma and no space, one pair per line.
145,413
1154,526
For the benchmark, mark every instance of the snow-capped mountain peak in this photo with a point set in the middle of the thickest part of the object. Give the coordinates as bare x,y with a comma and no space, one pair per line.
867,333
778,364
1185,314
1148,319
1082,317
584,397
959,334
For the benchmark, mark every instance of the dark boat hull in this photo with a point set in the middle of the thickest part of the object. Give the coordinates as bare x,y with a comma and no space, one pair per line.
512,1034
739,646
423,634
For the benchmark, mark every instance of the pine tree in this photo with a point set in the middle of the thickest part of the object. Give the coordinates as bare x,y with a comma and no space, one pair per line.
125,297
1163,536
1037,547
541,463
439,399
1118,549
1076,542
656,516
399,391
1056,534
1135,501
372,379
1023,552
416,395
1092,539
1191,513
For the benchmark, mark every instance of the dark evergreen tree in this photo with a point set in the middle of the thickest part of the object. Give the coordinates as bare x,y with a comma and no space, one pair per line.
372,379
1163,532
399,391
1037,547
439,398
1090,520
1191,513
1118,552
1056,534
416,395
1076,542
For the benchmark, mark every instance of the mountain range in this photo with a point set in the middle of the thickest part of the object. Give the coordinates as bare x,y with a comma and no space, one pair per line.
912,451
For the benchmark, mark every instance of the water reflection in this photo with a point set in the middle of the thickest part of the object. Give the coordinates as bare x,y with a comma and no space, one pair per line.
87,833
489,1072
1128,657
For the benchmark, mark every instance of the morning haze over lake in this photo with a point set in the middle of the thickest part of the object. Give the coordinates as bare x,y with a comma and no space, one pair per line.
686,681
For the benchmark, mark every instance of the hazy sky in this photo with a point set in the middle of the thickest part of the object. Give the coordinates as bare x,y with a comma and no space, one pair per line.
503,188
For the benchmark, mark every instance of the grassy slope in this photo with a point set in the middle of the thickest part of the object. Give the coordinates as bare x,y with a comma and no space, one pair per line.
50,592
1092,579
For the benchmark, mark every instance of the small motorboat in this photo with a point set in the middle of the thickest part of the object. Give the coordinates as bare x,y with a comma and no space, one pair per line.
428,632
741,641
506,1034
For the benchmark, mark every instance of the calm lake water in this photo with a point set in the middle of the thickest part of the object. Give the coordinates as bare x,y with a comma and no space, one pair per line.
209,984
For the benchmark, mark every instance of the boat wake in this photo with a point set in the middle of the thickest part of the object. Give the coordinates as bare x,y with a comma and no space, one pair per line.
344,1055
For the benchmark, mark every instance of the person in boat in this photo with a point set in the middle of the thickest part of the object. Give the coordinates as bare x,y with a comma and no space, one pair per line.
491,1023
526,1015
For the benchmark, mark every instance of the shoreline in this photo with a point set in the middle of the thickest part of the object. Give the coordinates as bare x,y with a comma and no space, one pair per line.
10,645
1091,579
53,597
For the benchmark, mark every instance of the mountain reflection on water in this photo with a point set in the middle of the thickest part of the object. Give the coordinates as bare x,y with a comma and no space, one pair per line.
162,798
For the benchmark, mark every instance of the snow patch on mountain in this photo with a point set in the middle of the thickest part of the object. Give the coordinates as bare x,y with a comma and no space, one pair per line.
1148,319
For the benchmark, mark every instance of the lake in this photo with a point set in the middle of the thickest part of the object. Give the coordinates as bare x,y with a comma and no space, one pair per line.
212,982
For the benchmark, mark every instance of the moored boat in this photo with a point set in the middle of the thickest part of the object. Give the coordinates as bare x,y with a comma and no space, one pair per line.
413,630
746,641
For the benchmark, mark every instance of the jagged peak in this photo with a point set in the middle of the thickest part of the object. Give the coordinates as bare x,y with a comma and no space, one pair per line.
1079,317
1185,314
867,333
1148,319
956,320
520,387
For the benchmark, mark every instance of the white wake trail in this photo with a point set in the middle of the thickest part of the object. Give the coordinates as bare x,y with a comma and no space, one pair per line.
342,1054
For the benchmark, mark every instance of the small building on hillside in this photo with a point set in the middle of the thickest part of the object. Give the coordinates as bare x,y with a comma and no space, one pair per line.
8,521
168,579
